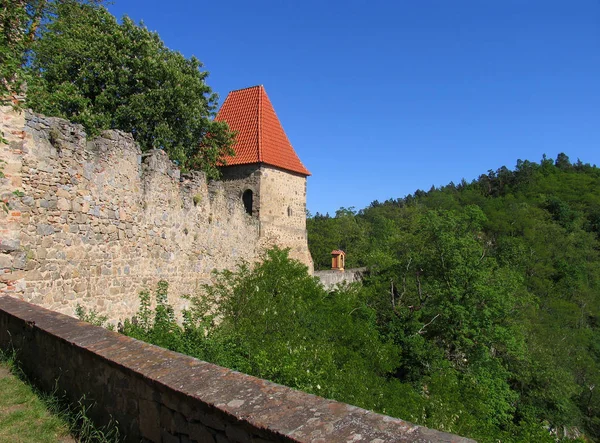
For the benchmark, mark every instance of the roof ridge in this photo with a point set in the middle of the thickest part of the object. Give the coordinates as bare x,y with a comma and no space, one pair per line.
247,87
260,153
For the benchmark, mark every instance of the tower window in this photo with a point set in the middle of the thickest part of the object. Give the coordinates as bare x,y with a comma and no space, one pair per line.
290,212
247,200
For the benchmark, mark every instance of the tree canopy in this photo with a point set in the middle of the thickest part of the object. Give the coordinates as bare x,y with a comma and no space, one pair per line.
87,67
21,23
492,290
480,314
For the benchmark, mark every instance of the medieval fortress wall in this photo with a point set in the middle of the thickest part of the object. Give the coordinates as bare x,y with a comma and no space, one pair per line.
92,222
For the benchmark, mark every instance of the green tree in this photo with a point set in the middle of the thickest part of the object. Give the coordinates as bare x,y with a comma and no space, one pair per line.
345,231
296,333
17,27
92,70
490,291
273,320
20,24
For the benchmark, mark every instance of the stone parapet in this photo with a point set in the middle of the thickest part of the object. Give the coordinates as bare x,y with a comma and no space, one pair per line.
332,277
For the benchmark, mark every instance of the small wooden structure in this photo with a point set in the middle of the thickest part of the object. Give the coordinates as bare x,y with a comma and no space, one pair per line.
338,259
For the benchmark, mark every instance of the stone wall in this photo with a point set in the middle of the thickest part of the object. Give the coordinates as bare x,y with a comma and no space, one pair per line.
283,211
279,203
239,178
157,395
93,222
331,277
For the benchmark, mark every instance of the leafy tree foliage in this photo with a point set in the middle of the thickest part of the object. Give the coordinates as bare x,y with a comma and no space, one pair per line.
480,314
492,286
20,24
92,70
18,21
277,322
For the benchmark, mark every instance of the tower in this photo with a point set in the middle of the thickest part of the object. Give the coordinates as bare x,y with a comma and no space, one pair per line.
265,172
338,259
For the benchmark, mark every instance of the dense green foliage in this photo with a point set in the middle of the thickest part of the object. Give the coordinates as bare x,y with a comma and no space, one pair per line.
21,23
494,284
18,22
480,314
275,321
87,67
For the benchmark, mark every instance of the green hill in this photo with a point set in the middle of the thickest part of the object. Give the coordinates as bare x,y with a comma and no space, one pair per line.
490,291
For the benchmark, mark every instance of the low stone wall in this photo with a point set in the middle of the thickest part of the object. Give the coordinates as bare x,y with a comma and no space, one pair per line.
331,277
162,396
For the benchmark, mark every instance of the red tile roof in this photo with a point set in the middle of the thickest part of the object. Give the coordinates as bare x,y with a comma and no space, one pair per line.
260,138
337,252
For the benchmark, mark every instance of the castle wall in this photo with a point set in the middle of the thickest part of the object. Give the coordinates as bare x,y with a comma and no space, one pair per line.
279,204
93,222
331,278
283,212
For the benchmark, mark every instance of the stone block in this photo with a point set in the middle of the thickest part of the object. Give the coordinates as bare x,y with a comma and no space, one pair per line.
19,260
181,423
200,433
149,419
45,230
167,437
60,192
167,419
221,438
9,245
63,204
237,434
212,421
6,261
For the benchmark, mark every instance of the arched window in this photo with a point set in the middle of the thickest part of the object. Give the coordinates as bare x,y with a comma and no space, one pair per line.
247,200
290,211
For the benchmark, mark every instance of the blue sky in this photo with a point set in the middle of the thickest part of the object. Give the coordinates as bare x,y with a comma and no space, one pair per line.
381,98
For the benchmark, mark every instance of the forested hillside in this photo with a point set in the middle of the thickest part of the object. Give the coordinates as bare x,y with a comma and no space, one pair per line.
490,292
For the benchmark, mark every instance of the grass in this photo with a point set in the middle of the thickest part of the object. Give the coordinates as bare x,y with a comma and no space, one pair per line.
24,416
28,415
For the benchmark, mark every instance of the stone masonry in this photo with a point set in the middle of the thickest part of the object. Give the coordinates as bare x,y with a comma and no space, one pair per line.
330,278
92,222
279,205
